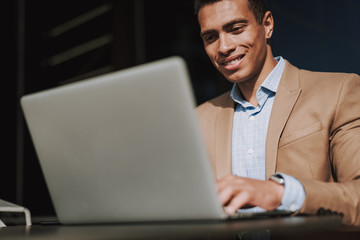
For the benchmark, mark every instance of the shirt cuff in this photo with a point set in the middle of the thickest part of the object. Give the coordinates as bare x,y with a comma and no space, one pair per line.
294,194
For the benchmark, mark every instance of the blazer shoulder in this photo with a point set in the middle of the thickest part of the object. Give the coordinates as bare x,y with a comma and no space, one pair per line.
312,79
328,75
221,101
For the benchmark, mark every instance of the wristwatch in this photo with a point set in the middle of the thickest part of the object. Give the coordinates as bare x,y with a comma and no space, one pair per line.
278,179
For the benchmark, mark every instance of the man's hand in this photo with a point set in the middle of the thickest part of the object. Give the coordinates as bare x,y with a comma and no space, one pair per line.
237,192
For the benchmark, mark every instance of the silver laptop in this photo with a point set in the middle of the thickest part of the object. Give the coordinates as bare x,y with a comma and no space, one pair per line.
124,147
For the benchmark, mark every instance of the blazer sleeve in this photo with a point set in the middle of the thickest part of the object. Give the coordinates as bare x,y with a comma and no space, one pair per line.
342,195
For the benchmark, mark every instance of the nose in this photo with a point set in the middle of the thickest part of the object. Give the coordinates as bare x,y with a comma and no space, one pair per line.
226,44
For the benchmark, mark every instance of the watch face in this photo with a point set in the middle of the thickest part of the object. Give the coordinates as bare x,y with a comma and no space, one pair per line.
277,179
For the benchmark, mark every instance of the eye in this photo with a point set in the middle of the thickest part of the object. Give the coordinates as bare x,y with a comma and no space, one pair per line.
210,38
237,29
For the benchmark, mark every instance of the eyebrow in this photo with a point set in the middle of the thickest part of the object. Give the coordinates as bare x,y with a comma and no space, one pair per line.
226,26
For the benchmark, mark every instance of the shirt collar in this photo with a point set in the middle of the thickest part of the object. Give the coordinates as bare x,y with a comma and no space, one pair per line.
270,83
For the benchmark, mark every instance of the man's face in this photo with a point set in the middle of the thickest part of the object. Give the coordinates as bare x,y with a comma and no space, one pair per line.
233,40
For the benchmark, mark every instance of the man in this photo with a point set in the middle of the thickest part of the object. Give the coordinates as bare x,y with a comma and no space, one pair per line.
302,126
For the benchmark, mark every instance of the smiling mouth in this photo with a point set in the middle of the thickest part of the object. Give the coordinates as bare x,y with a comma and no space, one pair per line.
233,61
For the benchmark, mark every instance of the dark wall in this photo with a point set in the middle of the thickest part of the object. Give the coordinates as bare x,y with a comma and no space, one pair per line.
320,35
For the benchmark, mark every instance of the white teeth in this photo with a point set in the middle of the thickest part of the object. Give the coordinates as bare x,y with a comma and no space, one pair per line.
234,61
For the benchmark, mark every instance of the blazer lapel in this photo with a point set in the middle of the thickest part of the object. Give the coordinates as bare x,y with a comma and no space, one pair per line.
285,99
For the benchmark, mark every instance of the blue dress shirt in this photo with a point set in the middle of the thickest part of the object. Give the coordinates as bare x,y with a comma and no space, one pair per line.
249,137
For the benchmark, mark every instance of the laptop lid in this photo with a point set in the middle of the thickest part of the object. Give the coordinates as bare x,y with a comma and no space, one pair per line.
124,147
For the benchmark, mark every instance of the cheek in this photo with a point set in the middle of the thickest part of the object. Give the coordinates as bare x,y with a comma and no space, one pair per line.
209,49
252,39
211,54
245,39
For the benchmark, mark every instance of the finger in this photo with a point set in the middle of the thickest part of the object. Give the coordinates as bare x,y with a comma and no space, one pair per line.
237,202
226,194
228,187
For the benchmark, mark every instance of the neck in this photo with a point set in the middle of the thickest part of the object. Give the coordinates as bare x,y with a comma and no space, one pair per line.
249,88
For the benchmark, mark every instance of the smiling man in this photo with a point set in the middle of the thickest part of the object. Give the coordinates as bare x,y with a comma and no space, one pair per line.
283,138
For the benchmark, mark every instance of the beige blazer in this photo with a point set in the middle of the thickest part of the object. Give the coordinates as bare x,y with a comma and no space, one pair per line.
313,135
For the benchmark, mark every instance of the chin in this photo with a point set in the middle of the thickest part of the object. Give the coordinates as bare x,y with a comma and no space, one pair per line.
235,77
242,75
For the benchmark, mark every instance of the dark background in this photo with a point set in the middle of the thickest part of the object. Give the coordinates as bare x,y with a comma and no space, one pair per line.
51,43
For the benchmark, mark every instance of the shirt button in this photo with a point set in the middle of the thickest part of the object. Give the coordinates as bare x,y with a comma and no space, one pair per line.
252,117
250,151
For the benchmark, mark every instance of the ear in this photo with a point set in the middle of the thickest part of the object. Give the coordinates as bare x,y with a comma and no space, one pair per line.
268,24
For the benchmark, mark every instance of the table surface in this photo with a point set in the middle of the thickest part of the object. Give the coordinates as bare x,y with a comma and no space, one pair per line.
281,226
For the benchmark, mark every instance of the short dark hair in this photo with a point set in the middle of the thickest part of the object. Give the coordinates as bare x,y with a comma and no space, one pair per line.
257,7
